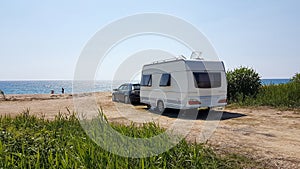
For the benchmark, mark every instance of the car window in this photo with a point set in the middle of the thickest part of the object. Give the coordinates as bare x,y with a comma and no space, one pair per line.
136,87
121,87
125,87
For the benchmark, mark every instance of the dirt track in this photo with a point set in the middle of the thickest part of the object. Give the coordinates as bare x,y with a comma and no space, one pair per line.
264,134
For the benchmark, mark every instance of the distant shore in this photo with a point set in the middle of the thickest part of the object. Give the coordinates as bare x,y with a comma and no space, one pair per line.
30,97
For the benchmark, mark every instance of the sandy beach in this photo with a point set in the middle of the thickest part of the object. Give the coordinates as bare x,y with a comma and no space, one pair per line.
264,134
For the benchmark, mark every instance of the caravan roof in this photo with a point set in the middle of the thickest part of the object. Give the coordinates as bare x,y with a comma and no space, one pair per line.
192,64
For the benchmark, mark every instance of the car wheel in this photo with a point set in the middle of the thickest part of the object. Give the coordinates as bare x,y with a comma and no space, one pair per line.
126,100
160,106
113,98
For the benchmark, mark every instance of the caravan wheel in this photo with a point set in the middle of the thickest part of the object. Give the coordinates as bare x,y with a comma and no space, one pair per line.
160,106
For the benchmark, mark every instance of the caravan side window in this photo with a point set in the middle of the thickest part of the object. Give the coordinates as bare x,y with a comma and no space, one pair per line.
165,80
146,80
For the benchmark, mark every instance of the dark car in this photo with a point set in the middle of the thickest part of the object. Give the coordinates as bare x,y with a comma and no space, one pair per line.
127,93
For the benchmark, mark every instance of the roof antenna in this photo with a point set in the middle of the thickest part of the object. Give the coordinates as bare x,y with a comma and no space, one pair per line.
197,55
181,56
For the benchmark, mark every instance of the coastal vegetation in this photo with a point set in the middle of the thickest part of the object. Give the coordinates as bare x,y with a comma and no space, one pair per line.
242,82
30,142
245,89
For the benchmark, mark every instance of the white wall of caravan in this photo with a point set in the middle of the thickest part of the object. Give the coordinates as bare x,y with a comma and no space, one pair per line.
182,84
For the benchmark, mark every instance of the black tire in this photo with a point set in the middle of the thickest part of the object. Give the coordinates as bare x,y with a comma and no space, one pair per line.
113,98
160,106
126,100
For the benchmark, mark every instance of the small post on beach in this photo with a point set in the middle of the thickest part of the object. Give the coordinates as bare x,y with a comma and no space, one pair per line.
62,90
52,91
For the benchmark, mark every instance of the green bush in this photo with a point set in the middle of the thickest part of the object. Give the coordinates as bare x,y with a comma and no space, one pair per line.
296,78
243,82
277,95
281,95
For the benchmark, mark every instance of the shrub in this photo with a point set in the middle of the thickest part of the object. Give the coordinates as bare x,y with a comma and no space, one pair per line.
280,95
296,78
242,82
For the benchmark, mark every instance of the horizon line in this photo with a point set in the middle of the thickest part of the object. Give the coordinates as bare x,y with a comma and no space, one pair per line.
100,79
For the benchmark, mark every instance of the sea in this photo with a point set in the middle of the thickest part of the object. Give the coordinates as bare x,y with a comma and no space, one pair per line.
45,86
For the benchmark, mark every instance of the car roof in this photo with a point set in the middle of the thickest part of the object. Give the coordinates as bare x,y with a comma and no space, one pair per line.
131,84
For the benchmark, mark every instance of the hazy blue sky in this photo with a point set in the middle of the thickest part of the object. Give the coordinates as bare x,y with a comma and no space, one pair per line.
43,39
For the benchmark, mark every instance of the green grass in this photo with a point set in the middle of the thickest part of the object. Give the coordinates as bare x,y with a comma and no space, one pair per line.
279,96
30,142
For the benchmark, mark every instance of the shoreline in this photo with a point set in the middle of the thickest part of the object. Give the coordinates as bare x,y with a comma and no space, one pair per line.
32,97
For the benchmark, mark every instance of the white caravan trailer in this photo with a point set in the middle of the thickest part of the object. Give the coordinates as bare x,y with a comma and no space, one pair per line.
184,84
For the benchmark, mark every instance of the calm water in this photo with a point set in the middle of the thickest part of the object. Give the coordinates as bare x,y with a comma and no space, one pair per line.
274,81
44,87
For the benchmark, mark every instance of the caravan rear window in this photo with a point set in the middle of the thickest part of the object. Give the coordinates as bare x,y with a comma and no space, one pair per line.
207,79
146,80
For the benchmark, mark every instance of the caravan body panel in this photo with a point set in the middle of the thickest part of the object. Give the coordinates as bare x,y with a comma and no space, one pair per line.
184,84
